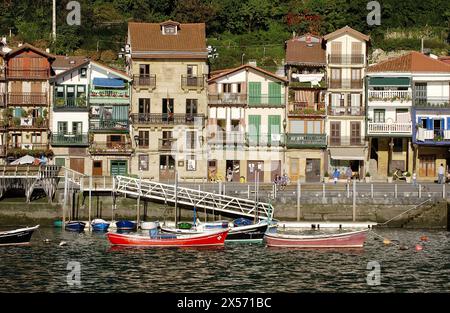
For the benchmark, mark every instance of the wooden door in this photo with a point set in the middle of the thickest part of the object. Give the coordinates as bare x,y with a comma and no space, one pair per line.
335,133
77,164
275,169
312,170
427,166
252,168
97,168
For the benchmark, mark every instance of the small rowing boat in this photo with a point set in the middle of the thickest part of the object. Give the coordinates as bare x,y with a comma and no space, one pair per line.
126,225
21,236
354,239
75,226
99,225
215,238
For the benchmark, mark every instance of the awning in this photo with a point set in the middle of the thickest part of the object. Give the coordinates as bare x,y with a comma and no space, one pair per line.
347,154
108,82
390,81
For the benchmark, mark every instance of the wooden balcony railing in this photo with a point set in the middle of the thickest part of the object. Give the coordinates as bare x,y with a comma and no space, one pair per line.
227,99
2,99
343,111
28,122
167,118
346,59
306,140
69,139
390,95
345,84
305,108
27,98
194,82
31,73
111,147
146,81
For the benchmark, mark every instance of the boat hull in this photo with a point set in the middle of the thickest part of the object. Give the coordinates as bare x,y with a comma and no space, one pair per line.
17,237
100,227
75,226
207,239
345,240
125,225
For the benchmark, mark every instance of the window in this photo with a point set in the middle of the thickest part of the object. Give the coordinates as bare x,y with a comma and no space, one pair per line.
191,70
191,164
77,127
169,30
143,162
144,106
62,127
83,72
335,74
238,87
378,116
60,161
144,69
226,88
144,139
59,91
191,142
398,145
166,162
36,138
191,106
81,91
356,74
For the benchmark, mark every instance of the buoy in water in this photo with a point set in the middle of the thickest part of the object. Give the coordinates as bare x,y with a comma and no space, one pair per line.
403,247
62,243
46,240
424,238
386,241
419,247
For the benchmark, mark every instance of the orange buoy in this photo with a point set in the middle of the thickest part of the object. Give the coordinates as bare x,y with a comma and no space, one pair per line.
386,241
424,238
419,247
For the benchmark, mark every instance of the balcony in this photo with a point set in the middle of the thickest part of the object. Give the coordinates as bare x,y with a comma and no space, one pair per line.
393,96
27,146
28,123
432,136
346,141
70,104
28,74
264,140
431,102
305,109
167,119
345,84
98,125
2,99
192,82
231,138
166,144
346,59
109,96
346,111
111,148
232,99
3,124
144,81
27,98
2,150
69,139
266,101
306,140
389,128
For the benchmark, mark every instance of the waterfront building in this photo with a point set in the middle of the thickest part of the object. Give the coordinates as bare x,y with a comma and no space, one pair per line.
306,140
346,57
168,64
27,71
3,120
246,124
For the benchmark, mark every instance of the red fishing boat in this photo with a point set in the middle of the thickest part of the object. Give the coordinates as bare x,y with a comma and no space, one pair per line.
216,238
354,239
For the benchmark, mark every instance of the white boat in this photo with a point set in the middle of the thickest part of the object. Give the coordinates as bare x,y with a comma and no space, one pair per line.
149,225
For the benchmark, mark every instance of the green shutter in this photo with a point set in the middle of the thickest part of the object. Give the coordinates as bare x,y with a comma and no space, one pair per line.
118,167
274,126
254,91
274,93
120,112
60,161
254,126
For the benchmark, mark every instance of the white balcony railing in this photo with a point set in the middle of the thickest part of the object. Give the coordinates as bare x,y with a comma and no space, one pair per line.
424,134
390,95
447,134
389,128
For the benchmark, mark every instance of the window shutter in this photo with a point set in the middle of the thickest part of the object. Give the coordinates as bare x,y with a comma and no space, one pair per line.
274,126
274,93
254,122
448,123
429,124
254,92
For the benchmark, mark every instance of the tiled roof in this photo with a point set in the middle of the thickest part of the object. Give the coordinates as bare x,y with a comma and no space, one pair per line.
301,52
346,30
247,66
147,41
63,62
412,62
29,47
119,72
445,59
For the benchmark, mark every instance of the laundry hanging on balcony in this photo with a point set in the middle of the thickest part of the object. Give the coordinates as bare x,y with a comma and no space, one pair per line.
108,83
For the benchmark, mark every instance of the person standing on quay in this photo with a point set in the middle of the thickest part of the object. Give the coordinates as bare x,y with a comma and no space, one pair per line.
441,174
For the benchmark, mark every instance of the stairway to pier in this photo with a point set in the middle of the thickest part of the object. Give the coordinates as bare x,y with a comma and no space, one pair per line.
188,197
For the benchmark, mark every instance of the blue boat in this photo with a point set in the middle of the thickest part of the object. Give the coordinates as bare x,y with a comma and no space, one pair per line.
99,225
125,225
75,226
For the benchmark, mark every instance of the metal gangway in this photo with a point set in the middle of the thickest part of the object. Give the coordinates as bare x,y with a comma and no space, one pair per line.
189,197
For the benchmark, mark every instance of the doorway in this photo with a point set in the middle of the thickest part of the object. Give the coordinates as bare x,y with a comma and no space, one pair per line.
252,168
235,167
77,164
312,170
97,168
427,166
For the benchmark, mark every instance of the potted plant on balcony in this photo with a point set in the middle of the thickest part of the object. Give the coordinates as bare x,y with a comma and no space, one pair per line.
390,177
326,177
368,178
44,113
39,121
408,177
16,121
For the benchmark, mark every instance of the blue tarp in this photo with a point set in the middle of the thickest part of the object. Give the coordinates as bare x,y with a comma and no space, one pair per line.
108,82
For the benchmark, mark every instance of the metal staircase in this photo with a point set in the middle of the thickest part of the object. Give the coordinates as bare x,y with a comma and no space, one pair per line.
188,197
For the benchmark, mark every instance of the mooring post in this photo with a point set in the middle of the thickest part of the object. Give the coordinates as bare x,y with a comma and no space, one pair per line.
65,198
113,198
139,201
90,200
395,191
248,191
348,190
323,190
298,199
354,200
443,191
371,190
420,191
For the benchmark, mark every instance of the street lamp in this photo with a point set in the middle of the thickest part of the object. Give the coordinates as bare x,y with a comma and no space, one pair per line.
242,59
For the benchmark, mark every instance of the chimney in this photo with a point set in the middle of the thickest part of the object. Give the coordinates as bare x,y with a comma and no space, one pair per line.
252,63
47,50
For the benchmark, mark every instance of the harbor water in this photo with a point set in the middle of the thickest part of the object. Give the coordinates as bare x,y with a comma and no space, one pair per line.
236,267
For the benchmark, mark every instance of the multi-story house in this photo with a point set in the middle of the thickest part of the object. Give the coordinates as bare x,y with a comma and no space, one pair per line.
27,73
346,56
3,121
168,64
430,113
245,124
306,156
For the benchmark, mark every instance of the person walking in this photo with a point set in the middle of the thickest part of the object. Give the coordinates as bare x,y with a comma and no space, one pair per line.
414,179
336,175
349,174
441,174
229,174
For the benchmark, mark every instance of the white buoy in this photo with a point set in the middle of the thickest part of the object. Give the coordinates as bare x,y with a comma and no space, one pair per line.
46,240
62,243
